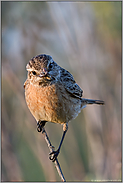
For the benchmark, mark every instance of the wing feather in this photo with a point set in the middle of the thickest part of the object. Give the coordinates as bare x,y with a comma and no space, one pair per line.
69,83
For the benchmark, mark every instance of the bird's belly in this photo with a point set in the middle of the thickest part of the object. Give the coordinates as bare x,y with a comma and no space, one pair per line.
51,103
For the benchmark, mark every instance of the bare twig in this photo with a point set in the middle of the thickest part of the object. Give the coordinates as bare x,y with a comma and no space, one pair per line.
51,148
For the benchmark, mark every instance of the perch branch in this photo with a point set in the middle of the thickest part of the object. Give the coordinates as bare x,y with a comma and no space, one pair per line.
51,148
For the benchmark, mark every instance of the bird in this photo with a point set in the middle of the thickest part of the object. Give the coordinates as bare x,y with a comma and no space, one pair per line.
52,95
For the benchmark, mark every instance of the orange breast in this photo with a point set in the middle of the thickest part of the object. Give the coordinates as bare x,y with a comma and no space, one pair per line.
51,103
45,103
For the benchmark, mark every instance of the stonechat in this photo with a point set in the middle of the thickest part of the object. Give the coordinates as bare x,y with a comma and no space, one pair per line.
52,94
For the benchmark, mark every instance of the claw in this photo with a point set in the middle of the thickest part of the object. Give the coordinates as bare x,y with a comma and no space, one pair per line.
39,129
40,125
53,155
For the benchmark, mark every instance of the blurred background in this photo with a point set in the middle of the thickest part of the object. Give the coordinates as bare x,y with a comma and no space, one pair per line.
84,38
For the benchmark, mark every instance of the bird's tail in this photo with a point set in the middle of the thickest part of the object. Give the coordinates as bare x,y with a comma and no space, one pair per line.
91,101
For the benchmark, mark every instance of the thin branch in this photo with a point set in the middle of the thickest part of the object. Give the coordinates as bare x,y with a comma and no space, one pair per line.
51,148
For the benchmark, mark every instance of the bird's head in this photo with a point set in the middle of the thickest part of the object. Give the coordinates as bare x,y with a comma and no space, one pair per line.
42,68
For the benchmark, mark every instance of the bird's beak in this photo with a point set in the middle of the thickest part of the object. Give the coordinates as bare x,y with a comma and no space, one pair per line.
43,73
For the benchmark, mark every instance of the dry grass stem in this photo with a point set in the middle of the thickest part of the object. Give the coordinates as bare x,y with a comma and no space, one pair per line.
51,148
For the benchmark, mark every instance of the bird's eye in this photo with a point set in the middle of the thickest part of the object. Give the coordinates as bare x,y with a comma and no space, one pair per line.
34,73
50,65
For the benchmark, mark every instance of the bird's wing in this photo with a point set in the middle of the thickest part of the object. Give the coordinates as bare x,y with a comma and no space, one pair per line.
69,83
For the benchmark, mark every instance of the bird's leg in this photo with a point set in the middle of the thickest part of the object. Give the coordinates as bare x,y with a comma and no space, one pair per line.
54,154
40,125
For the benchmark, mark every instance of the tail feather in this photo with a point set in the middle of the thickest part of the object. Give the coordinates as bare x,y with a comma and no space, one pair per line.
91,101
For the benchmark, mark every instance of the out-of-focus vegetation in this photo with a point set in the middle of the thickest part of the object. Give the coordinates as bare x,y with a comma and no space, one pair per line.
84,38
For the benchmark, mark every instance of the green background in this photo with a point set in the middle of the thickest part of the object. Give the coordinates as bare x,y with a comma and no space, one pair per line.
84,38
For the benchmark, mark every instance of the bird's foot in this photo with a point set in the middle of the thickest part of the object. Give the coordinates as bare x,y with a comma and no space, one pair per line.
53,155
39,128
40,125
